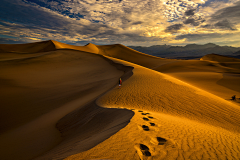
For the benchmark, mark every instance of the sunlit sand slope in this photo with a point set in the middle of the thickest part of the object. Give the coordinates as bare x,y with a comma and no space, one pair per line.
50,107
214,73
88,48
122,52
173,120
219,78
38,91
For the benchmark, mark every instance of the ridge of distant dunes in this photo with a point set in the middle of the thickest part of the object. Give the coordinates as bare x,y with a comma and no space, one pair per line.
127,54
44,46
219,58
87,48
19,51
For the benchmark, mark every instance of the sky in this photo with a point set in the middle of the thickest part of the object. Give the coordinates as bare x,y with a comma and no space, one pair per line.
128,22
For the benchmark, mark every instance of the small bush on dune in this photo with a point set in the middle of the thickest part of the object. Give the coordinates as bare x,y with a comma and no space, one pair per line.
234,97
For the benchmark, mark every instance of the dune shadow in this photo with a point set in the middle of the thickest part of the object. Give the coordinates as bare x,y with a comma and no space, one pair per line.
80,128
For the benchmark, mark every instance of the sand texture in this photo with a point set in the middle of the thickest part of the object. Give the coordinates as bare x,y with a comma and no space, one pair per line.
60,101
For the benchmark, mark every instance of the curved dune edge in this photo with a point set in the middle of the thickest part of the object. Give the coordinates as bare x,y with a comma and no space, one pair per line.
193,124
165,109
88,48
59,86
89,125
220,79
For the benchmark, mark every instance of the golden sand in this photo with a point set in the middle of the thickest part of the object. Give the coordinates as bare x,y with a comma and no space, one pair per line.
64,102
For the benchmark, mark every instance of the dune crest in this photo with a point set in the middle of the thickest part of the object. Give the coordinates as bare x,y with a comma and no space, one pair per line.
62,101
38,91
87,48
125,53
219,58
173,120
44,46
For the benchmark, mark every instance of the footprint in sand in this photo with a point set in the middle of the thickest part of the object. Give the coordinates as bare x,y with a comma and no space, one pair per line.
140,111
146,119
143,151
144,114
158,140
145,128
150,117
169,144
152,124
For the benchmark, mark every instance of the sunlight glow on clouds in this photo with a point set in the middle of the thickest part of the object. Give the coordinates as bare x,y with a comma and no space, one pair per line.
131,22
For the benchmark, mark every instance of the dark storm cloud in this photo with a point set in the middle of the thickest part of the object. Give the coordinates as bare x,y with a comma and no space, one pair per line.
32,21
27,15
230,13
12,40
194,37
225,24
136,23
225,18
191,21
190,12
173,28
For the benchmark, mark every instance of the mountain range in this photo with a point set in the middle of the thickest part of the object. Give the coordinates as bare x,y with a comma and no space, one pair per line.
190,51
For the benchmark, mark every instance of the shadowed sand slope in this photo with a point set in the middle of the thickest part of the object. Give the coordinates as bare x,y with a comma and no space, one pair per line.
122,52
58,101
219,58
173,120
18,51
44,46
37,92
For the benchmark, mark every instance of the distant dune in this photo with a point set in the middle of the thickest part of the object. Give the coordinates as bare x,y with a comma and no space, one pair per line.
44,46
60,101
219,58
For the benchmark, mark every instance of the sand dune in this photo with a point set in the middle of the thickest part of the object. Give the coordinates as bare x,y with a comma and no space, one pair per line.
221,79
18,51
173,120
62,101
88,48
44,46
37,92
124,53
219,58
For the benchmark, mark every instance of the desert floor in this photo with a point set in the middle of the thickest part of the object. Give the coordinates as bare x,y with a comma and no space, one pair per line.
63,102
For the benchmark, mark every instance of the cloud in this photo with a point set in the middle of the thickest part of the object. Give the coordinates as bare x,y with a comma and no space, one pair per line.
174,28
217,38
190,12
231,13
191,21
194,37
136,23
225,24
114,21
225,18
